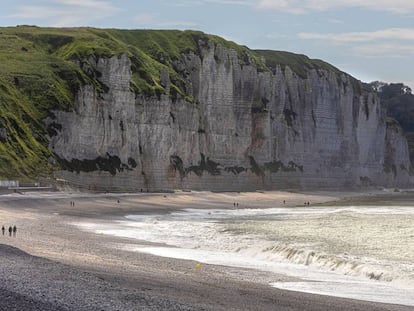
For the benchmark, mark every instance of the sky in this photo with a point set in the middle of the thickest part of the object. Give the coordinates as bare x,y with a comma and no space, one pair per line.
369,39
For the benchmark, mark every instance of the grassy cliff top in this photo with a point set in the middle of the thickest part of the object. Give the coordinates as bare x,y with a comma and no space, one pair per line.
32,46
42,69
299,63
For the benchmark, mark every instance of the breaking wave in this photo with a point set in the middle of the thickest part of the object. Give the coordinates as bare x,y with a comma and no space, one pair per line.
344,264
342,247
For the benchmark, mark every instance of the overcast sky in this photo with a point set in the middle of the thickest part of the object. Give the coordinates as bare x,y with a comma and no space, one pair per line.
370,39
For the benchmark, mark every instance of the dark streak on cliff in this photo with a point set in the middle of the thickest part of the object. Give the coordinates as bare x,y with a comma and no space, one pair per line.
204,165
111,164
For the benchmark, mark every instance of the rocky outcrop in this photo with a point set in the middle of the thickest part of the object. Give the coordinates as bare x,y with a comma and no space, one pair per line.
238,128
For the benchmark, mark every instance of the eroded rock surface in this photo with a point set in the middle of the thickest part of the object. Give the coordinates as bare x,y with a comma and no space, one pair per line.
239,129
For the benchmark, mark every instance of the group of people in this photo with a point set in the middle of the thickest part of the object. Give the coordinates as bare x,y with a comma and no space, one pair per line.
306,203
12,230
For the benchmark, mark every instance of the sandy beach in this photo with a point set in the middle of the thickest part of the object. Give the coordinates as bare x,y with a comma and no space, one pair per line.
52,265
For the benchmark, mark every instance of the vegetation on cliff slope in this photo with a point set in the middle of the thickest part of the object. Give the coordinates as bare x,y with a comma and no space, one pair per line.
299,63
399,101
43,68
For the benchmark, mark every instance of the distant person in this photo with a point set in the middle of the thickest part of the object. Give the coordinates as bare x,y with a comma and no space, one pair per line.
284,202
14,230
3,229
10,230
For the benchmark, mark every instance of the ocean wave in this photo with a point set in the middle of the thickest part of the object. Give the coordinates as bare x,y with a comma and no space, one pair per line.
345,264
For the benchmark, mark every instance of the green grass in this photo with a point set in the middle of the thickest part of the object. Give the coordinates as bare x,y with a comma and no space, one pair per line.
21,154
298,63
43,68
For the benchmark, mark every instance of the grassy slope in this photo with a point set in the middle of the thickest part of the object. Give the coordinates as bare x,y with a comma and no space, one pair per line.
29,86
38,73
299,63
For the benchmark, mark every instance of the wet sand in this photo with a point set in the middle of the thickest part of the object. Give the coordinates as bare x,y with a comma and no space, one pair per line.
51,265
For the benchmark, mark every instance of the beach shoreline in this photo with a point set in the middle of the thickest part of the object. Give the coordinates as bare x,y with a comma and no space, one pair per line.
52,263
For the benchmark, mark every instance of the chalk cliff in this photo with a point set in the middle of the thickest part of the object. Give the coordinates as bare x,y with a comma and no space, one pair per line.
237,127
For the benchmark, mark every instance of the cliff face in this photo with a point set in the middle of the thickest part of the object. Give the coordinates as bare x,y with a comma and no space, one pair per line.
238,128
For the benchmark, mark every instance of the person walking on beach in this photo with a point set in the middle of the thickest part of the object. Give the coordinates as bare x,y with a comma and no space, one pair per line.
14,230
2,229
10,230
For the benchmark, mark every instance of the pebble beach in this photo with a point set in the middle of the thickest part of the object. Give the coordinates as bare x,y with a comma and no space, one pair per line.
52,265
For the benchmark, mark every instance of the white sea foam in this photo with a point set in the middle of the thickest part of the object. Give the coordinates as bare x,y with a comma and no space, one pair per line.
356,290
354,252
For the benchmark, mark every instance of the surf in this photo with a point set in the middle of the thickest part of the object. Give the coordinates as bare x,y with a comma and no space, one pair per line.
352,252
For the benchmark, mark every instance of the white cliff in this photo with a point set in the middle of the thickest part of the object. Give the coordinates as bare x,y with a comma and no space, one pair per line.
246,129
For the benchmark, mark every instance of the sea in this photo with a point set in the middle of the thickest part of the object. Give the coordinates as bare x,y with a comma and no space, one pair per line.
358,252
